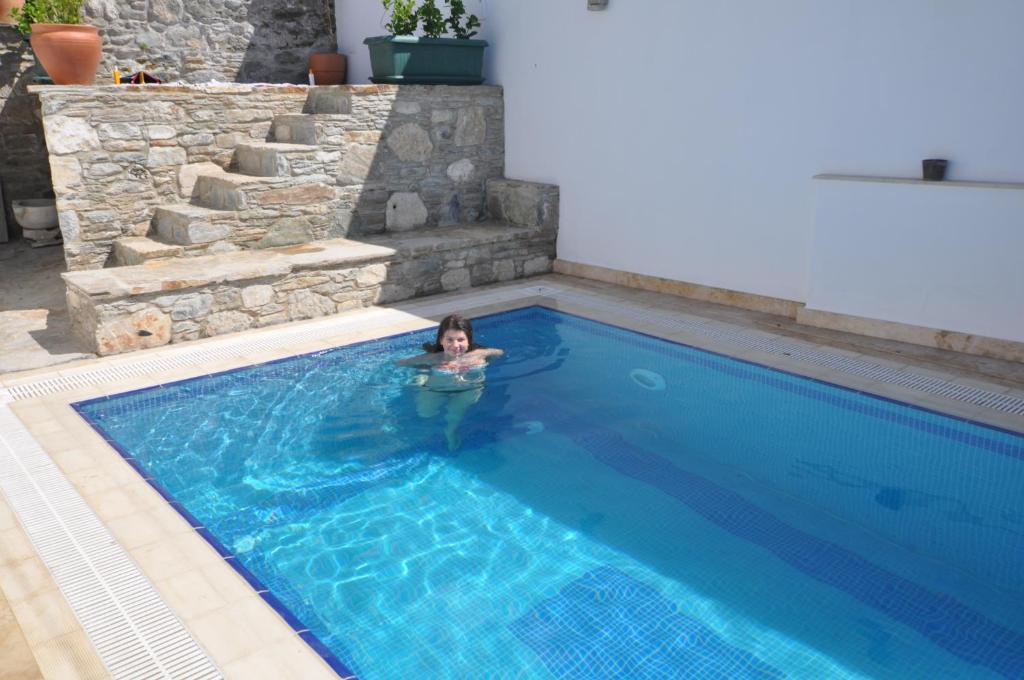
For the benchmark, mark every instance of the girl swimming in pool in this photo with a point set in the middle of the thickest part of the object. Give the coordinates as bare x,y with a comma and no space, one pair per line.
454,377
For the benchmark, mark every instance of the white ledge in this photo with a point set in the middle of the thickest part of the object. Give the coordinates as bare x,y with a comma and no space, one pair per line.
908,180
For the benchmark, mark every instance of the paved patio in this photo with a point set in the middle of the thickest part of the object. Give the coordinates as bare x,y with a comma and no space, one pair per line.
35,330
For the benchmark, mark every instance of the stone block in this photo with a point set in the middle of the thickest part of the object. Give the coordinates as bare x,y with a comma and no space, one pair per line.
257,296
455,279
220,323
66,135
411,143
65,172
142,329
191,306
166,155
405,211
373,275
470,127
537,265
305,304
120,131
461,170
161,132
188,174
301,194
286,232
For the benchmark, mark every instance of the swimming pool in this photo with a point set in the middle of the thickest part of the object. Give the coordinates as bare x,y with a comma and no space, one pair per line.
620,506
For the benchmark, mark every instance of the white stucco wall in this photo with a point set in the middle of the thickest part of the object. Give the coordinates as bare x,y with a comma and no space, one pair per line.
934,254
684,134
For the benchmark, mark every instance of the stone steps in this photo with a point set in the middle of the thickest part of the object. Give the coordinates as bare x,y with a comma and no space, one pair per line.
275,159
133,250
120,309
232,191
314,128
186,224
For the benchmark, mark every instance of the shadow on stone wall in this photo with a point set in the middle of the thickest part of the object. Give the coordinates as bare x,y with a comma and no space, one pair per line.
285,32
24,164
255,41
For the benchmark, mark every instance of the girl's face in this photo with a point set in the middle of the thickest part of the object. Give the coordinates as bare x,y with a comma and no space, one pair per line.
455,343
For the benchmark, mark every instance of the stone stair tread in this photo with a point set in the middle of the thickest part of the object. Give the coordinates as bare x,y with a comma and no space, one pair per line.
132,250
447,238
204,270
327,117
239,180
282,147
196,212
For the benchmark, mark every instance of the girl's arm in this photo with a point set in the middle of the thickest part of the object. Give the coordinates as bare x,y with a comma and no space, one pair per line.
419,360
486,353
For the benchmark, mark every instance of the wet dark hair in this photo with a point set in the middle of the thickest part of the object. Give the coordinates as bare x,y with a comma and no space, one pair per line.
452,322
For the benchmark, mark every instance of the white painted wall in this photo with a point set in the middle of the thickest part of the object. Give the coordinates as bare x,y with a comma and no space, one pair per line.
684,133
932,254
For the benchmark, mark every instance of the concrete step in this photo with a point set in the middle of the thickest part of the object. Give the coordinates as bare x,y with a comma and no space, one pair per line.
186,224
232,191
275,159
133,250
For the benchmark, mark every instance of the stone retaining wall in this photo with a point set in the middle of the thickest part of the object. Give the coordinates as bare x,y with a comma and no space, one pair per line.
154,320
265,41
250,290
400,157
116,152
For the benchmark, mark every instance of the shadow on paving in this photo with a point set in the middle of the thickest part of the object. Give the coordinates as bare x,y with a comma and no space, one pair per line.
35,329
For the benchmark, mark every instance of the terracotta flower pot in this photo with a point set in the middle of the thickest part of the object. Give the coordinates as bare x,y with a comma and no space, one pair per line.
328,67
70,53
5,10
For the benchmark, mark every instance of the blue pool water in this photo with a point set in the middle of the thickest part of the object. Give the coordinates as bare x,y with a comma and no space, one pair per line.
618,507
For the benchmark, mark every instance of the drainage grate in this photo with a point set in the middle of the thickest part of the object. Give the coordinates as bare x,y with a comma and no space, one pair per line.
133,630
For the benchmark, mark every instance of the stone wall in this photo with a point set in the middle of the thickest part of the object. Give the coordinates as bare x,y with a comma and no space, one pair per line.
24,168
254,41
217,308
116,151
398,158
190,40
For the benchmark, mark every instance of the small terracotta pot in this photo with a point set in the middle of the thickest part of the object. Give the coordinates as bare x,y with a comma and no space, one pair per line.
328,67
5,10
70,53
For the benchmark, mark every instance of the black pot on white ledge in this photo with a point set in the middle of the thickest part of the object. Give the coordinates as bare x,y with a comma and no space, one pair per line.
934,169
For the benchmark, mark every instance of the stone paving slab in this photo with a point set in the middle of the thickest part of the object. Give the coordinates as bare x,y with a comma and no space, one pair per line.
170,275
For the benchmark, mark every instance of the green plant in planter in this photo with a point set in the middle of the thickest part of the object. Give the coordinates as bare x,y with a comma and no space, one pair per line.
433,21
455,18
403,58
404,18
46,12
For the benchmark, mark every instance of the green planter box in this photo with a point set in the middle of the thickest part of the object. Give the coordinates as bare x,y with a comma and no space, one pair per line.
398,59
